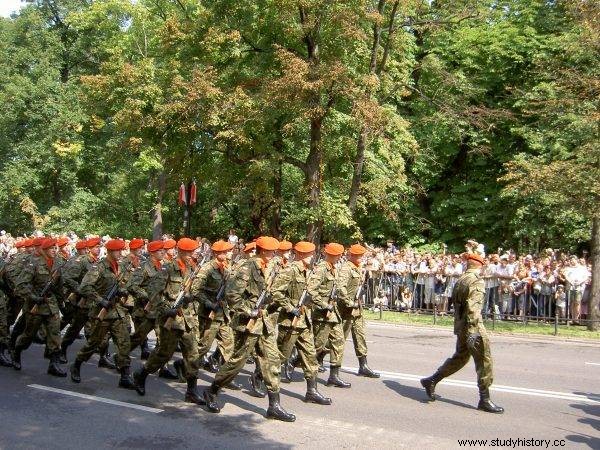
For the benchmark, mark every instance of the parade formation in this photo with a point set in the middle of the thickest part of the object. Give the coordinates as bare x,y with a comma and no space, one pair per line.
273,303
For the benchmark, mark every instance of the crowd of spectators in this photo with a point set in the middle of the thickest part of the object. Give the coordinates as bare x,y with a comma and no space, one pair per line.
516,286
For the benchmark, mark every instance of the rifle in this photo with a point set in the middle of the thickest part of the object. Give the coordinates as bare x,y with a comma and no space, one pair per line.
304,296
263,297
358,296
47,287
185,288
221,291
109,297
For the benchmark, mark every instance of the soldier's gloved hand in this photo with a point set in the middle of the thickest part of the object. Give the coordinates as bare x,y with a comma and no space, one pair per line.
105,304
255,313
171,312
355,305
187,299
329,307
295,312
37,300
122,292
473,341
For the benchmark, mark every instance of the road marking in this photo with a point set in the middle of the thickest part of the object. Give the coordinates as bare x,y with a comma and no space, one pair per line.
497,387
97,399
592,364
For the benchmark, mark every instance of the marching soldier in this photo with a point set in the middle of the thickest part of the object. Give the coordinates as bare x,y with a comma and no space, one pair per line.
471,337
295,328
322,286
285,252
178,324
108,314
253,326
37,285
5,359
134,262
11,272
214,318
66,308
350,306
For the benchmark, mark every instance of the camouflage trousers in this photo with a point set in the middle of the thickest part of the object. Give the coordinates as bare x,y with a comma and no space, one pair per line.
481,356
167,346
142,329
304,341
267,355
80,319
117,329
4,338
356,326
33,322
211,330
329,338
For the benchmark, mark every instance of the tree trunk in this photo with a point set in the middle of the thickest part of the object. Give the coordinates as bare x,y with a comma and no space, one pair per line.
278,201
359,162
313,179
593,312
157,226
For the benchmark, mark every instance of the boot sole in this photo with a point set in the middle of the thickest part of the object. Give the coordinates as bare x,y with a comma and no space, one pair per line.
59,375
280,419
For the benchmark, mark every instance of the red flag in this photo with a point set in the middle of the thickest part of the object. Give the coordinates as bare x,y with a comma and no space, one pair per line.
193,193
182,200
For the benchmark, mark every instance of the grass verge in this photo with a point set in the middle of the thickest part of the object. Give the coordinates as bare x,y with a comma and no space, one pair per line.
509,327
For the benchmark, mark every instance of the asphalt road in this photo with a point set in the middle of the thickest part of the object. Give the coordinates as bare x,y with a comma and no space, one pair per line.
550,389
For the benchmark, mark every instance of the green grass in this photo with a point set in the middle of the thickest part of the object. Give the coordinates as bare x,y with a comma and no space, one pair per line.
532,328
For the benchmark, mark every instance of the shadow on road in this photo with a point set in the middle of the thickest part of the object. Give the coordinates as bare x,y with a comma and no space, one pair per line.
418,394
592,411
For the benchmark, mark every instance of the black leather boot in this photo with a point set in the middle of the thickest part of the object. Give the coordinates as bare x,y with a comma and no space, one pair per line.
205,363
214,361
5,359
313,395
54,368
16,357
126,382
167,373
334,378
429,385
139,378
210,398
63,354
485,404
106,362
257,385
179,367
75,370
320,358
145,350
286,373
275,411
233,386
364,369
191,395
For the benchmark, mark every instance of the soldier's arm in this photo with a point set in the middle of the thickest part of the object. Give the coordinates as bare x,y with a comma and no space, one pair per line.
474,304
313,285
71,274
344,277
134,284
197,290
234,291
24,281
280,290
87,287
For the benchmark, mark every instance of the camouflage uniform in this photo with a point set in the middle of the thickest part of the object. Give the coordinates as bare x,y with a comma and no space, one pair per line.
15,303
326,322
146,285
242,291
95,285
184,327
204,289
287,290
350,310
4,334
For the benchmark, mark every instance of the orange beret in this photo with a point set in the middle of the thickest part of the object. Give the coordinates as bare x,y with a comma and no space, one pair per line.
267,243
47,243
155,246
476,257
334,249
62,241
357,250
169,243
284,246
115,244
80,245
93,242
221,246
249,247
38,241
304,247
19,244
28,243
136,243
187,244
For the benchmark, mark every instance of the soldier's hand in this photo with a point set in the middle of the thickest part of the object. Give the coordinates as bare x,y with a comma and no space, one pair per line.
36,299
171,312
295,312
105,304
473,341
256,313
329,307
122,292
187,299
355,305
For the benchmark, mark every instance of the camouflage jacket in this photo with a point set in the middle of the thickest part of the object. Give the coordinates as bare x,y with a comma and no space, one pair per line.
176,278
204,289
32,280
320,285
467,297
95,286
287,290
13,269
72,274
147,285
349,281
